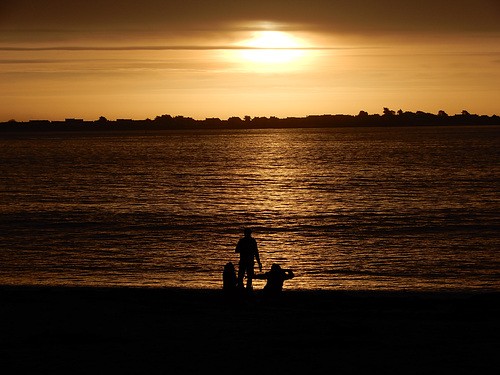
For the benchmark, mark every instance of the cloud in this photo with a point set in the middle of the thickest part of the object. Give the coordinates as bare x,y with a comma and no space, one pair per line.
28,61
173,16
155,48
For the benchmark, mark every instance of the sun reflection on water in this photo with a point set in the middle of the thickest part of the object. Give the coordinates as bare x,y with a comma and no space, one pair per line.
168,209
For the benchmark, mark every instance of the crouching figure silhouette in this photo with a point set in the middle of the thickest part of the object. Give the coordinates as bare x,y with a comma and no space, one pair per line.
275,279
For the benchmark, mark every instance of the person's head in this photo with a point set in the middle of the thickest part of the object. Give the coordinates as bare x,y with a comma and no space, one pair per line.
248,232
275,268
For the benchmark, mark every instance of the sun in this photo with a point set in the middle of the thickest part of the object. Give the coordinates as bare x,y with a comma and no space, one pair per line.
271,47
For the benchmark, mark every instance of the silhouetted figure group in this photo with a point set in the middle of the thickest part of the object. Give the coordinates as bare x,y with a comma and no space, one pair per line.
247,248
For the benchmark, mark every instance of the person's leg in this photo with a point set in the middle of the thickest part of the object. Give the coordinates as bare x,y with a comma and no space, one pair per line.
250,274
241,273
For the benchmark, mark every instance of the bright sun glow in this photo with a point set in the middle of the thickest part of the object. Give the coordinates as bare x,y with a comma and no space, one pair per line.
272,47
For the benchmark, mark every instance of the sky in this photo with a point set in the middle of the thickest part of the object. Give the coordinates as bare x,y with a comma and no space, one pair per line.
202,58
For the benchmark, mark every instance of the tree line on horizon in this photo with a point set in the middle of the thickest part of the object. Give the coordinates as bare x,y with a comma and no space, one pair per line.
163,122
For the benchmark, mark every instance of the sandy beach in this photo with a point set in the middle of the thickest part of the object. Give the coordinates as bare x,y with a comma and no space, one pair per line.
153,331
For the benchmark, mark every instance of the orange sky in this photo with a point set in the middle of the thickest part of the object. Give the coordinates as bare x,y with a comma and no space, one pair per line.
140,59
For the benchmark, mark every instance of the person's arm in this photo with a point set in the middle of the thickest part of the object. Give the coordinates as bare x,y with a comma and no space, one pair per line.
262,276
289,275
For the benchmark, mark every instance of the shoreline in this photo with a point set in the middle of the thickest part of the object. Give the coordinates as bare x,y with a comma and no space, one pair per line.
174,330
167,122
323,293
172,289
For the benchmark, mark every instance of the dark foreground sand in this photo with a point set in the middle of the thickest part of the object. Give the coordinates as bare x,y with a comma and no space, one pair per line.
169,331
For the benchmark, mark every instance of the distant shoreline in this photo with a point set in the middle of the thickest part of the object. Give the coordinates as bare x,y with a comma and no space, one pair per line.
167,122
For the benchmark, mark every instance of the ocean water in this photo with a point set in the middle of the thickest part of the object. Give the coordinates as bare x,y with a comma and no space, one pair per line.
347,209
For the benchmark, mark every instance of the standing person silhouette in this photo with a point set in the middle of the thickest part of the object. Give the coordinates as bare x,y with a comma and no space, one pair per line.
247,248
